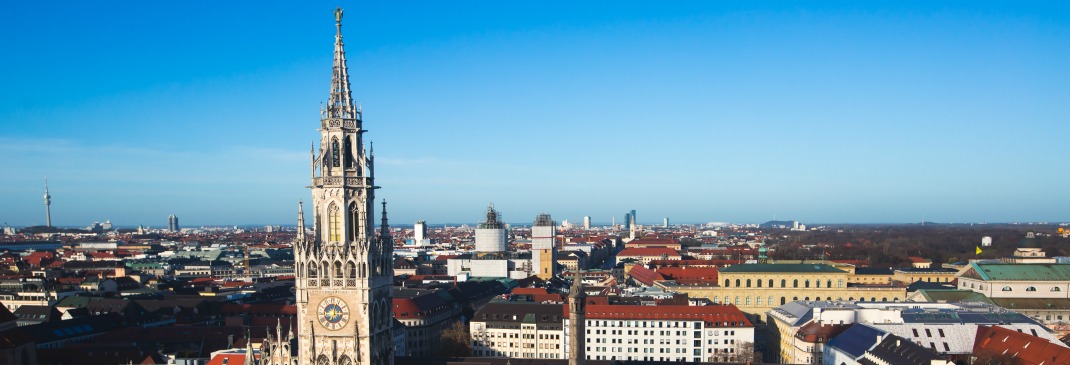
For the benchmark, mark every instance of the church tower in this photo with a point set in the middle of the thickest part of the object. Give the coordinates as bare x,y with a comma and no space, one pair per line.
344,273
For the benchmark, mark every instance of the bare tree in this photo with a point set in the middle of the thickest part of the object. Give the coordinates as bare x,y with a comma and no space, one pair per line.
455,341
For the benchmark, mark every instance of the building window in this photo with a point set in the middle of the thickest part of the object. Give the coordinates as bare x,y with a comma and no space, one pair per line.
334,228
1055,288
1007,288
748,283
336,160
1032,288
796,283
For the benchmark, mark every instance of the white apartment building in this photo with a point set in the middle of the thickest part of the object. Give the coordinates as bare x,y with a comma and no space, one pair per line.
615,332
519,330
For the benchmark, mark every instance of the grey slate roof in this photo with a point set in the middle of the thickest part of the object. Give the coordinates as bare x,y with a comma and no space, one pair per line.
900,351
855,341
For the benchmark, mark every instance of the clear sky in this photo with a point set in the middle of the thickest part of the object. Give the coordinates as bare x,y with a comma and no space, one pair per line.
855,111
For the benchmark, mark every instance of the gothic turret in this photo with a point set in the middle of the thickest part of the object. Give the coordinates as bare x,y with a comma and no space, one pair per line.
577,308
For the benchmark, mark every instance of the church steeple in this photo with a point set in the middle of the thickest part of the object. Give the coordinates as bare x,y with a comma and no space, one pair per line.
340,102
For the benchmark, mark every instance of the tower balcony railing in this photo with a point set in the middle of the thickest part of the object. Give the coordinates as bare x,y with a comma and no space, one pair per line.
337,180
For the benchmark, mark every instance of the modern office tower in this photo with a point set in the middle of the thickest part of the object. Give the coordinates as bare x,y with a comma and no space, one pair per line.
48,206
628,221
542,246
586,222
665,223
490,235
634,220
172,223
419,232
344,274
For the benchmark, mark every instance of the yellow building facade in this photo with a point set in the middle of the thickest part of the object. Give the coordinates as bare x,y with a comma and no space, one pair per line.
757,288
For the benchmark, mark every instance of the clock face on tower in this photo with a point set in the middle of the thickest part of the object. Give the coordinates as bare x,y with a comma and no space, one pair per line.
333,313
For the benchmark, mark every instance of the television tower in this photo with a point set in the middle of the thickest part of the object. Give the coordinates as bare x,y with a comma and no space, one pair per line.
48,204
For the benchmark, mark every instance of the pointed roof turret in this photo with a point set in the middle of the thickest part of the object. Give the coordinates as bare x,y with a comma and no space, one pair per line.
576,291
384,228
300,221
340,103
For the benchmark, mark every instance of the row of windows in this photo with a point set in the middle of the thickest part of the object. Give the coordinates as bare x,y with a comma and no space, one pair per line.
1008,288
783,283
746,301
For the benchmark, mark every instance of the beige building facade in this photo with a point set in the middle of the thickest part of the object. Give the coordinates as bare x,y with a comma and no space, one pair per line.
757,288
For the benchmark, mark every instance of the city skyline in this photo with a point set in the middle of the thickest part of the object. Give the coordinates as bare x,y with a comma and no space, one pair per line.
697,112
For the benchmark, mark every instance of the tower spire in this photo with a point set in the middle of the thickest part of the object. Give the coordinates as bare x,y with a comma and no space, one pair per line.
384,228
340,103
300,222
48,205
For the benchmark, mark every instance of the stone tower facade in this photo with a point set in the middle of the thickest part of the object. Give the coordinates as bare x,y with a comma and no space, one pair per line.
543,250
344,273
577,313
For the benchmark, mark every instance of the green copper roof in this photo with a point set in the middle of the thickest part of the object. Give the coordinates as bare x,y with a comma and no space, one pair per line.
781,268
1039,272
953,295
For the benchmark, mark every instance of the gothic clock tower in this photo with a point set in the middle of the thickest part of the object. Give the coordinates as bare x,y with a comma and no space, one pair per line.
344,273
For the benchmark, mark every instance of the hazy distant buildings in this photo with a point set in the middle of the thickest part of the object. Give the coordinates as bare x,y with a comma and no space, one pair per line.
665,224
490,235
587,222
542,246
172,223
419,232
629,219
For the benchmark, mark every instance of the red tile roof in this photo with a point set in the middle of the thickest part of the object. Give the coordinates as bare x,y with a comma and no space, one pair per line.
713,315
1027,349
648,251
644,275
228,359
519,290
689,275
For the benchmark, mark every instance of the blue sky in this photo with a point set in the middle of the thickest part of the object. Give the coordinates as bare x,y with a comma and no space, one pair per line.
698,111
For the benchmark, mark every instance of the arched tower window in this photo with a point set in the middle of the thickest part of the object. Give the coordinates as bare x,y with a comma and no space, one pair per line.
338,269
335,155
334,224
353,222
348,154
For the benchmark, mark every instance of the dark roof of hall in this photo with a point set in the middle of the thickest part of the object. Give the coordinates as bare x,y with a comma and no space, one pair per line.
781,268
405,360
